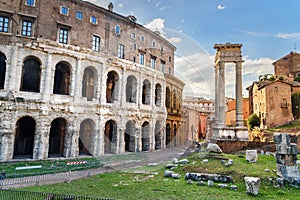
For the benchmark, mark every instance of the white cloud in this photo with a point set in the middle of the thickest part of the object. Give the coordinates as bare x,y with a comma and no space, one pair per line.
197,71
157,24
174,40
120,5
288,35
220,7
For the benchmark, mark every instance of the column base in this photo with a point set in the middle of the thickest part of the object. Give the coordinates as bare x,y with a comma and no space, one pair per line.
239,133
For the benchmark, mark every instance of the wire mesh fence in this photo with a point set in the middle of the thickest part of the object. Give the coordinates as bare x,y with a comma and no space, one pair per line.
29,195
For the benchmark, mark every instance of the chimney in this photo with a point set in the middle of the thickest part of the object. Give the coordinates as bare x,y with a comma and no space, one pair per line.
110,7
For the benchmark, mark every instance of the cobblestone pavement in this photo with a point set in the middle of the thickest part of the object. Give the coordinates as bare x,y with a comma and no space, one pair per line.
142,159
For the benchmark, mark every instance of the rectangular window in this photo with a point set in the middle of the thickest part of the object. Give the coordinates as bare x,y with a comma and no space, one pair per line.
142,59
96,43
134,47
63,35
132,35
27,28
4,24
79,15
162,65
64,10
121,49
142,39
153,44
152,62
93,20
30,2
170,70
118,30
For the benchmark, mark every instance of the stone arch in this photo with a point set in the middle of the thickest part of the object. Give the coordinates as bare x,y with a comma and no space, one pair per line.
110,137
129,136
168,134
62,78
31,75
146,93
168,97
146,136
158,131
131,89
57,137
158,91
89,81
86,134
24,137
112,87
2,69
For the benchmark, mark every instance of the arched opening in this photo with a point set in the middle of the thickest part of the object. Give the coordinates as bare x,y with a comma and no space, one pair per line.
146,92
131,89
174,100
2,69
24,138
57,137
168,134
158,130
110,137
158,91
168,97
62,79
88,84
174,136
129,137
112,87
31,75
146,136
85,137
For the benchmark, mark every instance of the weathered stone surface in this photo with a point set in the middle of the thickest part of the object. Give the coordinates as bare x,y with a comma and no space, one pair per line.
252,185
287,149
233,187
175,176
281,138
201,183
210,183
206,177
168,173
251,155
211,147
171,166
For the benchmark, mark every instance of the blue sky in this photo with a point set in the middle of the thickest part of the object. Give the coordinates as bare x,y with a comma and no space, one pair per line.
268,30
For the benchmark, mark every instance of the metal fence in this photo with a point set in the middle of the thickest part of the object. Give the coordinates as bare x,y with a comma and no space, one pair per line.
50,178
28,195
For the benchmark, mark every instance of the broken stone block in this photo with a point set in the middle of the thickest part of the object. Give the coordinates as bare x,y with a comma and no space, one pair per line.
183,161
170,166
281,138
251,155
189,181
287,149
168,173
233,187
221,185
252,185
210,183
175,176
211,147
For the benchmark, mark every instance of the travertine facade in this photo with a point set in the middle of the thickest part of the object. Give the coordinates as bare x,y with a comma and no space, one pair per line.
78,79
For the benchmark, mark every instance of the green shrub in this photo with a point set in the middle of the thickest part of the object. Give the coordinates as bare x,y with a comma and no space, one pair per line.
253,121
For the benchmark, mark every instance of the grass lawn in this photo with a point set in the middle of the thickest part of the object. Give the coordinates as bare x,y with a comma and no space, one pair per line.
149,183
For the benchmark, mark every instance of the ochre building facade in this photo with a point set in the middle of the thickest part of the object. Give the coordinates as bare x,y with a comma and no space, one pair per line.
77,79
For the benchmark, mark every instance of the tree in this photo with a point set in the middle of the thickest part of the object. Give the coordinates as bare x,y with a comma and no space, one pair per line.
253,121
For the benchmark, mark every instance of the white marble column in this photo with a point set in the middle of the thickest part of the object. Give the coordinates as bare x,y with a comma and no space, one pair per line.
77,84
13,75
239,95
217,93
221,87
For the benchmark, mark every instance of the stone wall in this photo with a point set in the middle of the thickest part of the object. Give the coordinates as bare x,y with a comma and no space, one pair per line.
234,146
